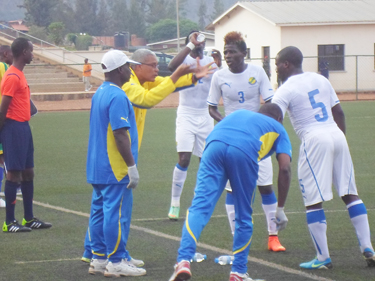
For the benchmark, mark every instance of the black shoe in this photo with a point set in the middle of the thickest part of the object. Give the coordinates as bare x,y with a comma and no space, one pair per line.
35,223
15,227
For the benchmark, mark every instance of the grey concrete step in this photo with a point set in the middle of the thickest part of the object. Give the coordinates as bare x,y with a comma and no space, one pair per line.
42,70
46,75
57,87
59,96
49,80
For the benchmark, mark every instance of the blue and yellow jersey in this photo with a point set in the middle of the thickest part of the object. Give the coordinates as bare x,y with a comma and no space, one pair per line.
150,94
110,110
257,135
3,67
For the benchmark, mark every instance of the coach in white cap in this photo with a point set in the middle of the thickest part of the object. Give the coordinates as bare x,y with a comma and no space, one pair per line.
111,169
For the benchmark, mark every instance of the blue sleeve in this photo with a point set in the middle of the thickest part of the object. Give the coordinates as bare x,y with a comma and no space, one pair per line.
119,111
283,144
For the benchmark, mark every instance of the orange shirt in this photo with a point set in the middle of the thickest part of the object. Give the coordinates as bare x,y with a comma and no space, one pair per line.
85,68
14,84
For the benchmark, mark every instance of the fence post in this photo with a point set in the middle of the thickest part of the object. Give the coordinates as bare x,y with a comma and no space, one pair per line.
356,77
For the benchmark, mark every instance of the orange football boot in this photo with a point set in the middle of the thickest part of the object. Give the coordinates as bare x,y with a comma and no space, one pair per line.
274,244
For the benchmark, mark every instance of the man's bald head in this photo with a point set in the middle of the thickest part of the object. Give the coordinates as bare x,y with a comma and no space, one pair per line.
272,110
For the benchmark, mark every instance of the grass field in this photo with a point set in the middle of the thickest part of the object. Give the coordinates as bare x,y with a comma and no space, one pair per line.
62,197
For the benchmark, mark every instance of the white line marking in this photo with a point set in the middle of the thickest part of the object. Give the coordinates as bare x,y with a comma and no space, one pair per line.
177,239
41,261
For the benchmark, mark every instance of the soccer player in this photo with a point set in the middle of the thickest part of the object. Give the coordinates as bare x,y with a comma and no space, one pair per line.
17,140
111,169
193,123
233,152
318,119
240,86
145,89
86,74
6,59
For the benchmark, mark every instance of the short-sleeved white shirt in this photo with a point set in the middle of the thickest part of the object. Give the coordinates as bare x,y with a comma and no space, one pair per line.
194,98
308,98
240,90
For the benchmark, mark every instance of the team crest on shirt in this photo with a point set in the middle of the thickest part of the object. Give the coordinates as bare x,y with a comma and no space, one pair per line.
252,80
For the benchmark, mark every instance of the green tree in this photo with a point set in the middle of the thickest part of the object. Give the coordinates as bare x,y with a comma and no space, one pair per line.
202,14
39,12
136,18
217,10
167,29
85,14
119,20
56,32
83,42
158,9
38,32
102,23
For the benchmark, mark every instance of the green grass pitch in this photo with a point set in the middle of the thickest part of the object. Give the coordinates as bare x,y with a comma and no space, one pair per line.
60,140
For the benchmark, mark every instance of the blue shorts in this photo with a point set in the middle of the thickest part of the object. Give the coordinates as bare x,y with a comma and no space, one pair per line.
17,145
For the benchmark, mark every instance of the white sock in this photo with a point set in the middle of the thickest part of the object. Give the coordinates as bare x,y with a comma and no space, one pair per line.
229,206
316,221
270,211
358,216
179,177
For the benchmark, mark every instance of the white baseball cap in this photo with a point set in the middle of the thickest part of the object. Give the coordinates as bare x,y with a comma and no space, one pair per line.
114,59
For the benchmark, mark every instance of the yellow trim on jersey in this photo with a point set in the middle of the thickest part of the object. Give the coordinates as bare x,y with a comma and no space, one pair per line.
119,230
267,142
188,227
117,163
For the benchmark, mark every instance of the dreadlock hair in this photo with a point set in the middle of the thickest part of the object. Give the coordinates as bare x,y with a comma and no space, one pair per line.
235,38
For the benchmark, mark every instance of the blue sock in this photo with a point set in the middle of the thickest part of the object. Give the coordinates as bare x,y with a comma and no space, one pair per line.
10,191
27,188
269,199
317,224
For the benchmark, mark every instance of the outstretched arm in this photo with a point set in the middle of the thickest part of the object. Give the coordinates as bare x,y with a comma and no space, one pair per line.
180,57
339,117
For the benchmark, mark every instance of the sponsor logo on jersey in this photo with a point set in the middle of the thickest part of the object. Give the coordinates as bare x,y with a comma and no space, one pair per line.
252,80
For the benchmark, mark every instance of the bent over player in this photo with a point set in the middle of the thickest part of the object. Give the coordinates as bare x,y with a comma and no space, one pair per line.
241,85
324,158
233,151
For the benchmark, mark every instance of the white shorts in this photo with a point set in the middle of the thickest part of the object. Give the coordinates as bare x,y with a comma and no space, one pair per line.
324,158
265,174
192,131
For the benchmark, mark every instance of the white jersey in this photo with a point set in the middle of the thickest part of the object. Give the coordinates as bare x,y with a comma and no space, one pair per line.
308,97
194,99
240,90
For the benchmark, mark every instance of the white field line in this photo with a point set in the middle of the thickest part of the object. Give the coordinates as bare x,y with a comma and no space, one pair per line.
177,239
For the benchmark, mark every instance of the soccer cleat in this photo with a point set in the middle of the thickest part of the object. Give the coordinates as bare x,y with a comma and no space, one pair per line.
136,263
369,256
2,203
181,271
235,276
15,227
274,244
35,223
123,268
174,213
316,264
98,266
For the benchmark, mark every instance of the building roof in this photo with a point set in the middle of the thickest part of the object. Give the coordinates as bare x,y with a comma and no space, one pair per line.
18,25
308,12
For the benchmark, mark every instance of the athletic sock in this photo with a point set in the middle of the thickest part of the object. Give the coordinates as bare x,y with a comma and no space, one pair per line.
10,191
229,206
269,204
358,216
179,177
27,188
316,221
1,176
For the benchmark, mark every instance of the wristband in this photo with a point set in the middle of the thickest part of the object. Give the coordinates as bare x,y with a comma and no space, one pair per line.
195,78
190,45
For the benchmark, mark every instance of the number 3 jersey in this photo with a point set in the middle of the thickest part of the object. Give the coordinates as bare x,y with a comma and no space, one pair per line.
308,98
240,90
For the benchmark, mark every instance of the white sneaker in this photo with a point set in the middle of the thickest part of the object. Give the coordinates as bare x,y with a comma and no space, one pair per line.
235,276
136,263
2,193
2,203
123,268
98,266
